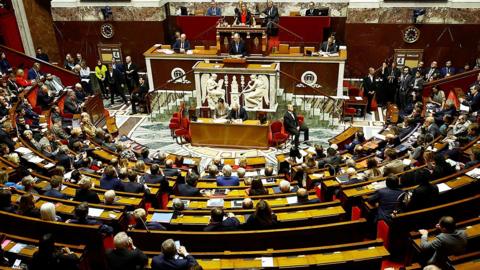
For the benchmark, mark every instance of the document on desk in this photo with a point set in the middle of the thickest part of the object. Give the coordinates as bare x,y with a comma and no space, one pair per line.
442,187
267,261
292,200
475,173
162,217
35,159
23,150
358,98
94,212
215,203
17,248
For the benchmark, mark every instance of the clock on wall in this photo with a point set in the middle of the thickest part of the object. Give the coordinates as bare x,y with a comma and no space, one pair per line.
107,30
411,34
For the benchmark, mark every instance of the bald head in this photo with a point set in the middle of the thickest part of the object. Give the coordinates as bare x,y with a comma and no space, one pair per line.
302,194
247,203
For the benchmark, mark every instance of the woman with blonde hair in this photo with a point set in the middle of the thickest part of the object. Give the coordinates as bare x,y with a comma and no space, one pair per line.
86,124
48,212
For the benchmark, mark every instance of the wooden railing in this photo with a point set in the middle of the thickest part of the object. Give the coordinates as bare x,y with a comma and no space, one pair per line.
20,60
461,80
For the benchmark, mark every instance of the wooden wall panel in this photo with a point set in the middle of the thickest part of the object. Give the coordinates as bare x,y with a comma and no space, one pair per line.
83,37
369,44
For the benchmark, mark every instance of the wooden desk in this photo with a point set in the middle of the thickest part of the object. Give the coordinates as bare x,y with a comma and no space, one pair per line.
255,38
328,71
249,134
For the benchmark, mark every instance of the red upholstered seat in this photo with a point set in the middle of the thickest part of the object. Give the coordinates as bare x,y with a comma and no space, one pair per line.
301,119
354,92
183,131
383,232
279,136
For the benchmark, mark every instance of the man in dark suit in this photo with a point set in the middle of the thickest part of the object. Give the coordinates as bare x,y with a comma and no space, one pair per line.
405,85
54,191
329,46
369,86
169,170
387,198
448,69
237,47
221,222
118,66
271,18
71,105
41,55
237,112
190,187
125,256
34,72
181,45
173,257
132,185
6,137
473,99
43,99
63,158
115,84
291,125
312,11
390,77
432,72
131,74
139,95
420,67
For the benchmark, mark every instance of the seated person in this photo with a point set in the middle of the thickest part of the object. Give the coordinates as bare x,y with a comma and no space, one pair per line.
173,258
155,176
56,187
189,188
181,45
109,197
243,16
247,203
329,46
212,172
450,241
302,197
227,179
132,185
393,165
238,112
110,180
312,11
48,256
81,216
84,194
169,170
262,218
141,221
26,206
221,222
125,255
213,10
43,98
237,46
221,109
387,198
257,188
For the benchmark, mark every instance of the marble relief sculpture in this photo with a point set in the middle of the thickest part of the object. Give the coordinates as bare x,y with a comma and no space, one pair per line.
255,92
214,91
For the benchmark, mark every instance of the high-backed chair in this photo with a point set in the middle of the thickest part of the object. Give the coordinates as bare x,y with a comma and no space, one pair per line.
279,136
183,132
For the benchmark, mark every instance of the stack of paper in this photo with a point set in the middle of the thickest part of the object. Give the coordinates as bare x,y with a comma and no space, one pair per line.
292,200
475,173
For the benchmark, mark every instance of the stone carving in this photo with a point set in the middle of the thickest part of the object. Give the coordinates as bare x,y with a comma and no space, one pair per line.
255,92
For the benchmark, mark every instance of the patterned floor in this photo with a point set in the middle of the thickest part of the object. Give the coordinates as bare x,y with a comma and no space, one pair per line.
156,135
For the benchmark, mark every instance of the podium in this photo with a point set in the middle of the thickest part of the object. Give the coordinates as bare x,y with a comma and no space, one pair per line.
255,38
235,62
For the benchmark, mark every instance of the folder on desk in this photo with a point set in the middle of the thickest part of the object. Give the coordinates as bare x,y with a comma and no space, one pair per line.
276,190
215,203
236,203
342,178
162,217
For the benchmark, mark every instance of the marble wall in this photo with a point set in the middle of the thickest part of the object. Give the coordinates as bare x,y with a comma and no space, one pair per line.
284,8
433,15
120,13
